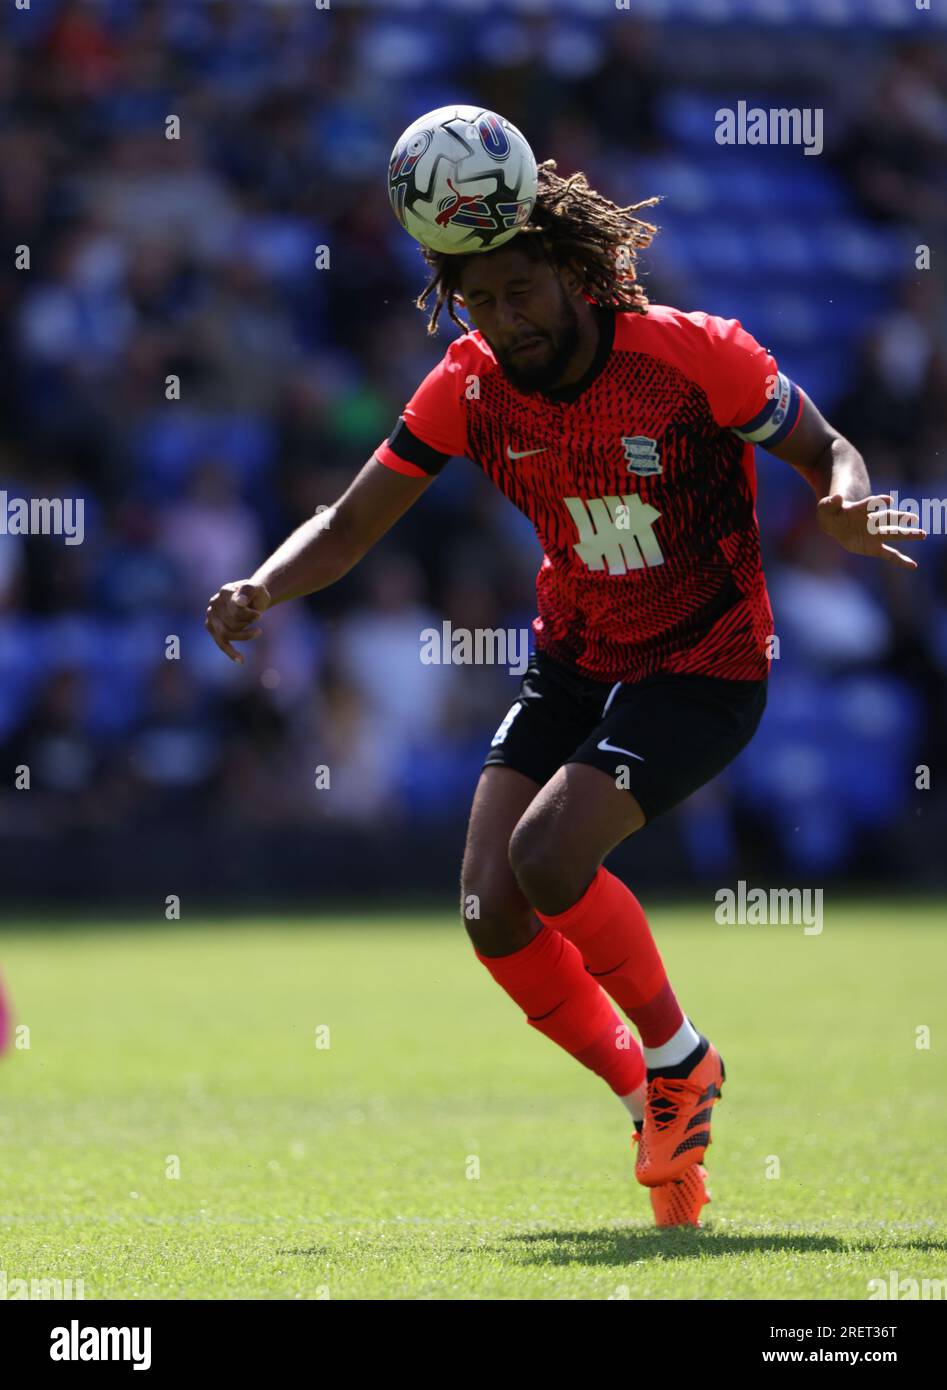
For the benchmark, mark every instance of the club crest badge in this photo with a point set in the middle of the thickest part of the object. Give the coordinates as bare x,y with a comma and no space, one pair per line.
641,454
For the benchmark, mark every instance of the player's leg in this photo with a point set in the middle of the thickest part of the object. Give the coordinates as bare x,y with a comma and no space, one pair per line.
556,853
660,742
498,918
541,970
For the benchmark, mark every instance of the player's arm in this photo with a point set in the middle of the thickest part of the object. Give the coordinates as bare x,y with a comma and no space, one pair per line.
318,553
837,474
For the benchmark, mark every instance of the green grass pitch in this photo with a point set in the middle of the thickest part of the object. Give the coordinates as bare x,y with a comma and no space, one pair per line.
439,1148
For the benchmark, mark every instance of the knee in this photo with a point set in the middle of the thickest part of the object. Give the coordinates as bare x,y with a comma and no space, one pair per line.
496,916
545,868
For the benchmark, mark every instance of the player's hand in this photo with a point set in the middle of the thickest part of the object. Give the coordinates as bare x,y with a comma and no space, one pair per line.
862,526
232,613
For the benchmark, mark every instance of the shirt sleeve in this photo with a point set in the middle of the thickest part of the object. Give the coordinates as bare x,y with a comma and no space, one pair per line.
432,427
748,393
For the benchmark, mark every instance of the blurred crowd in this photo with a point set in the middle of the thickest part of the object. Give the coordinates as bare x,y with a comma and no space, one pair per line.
192,260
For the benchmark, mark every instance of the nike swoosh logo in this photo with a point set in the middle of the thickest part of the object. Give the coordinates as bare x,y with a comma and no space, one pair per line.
524,453
598,974
607,747
539,1017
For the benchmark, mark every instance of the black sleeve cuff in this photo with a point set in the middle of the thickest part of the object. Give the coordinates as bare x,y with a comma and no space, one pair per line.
413,450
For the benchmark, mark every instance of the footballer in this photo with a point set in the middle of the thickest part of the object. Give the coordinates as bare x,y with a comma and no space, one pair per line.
625,431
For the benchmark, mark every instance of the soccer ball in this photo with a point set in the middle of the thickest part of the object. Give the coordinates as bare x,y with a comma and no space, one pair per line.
462,179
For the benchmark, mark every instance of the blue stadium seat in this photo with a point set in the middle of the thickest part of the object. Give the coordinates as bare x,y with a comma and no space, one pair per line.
171,443
22,668
831,756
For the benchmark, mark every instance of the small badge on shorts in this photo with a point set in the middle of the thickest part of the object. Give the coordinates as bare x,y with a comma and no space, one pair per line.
504,728
641,454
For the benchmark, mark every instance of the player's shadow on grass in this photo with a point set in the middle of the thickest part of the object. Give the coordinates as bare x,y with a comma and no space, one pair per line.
608,1247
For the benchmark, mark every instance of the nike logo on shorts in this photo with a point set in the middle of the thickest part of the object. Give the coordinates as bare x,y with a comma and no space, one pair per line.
607,747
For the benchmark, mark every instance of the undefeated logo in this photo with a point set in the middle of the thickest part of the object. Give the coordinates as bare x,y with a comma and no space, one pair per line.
616,532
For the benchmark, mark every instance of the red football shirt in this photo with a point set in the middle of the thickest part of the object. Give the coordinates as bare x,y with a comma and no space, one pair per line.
639,480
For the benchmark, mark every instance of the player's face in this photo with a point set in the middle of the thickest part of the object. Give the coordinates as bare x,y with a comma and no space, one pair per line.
523,310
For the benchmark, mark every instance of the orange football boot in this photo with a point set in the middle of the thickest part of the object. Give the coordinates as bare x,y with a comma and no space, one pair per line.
678,1203
677,1121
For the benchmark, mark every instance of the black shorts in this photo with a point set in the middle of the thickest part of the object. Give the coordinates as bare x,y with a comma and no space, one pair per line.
671,732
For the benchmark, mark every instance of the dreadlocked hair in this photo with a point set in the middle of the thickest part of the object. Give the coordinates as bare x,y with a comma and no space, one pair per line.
571,226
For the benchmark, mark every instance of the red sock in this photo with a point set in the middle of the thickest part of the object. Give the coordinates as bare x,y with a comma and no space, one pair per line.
549,981
610,929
